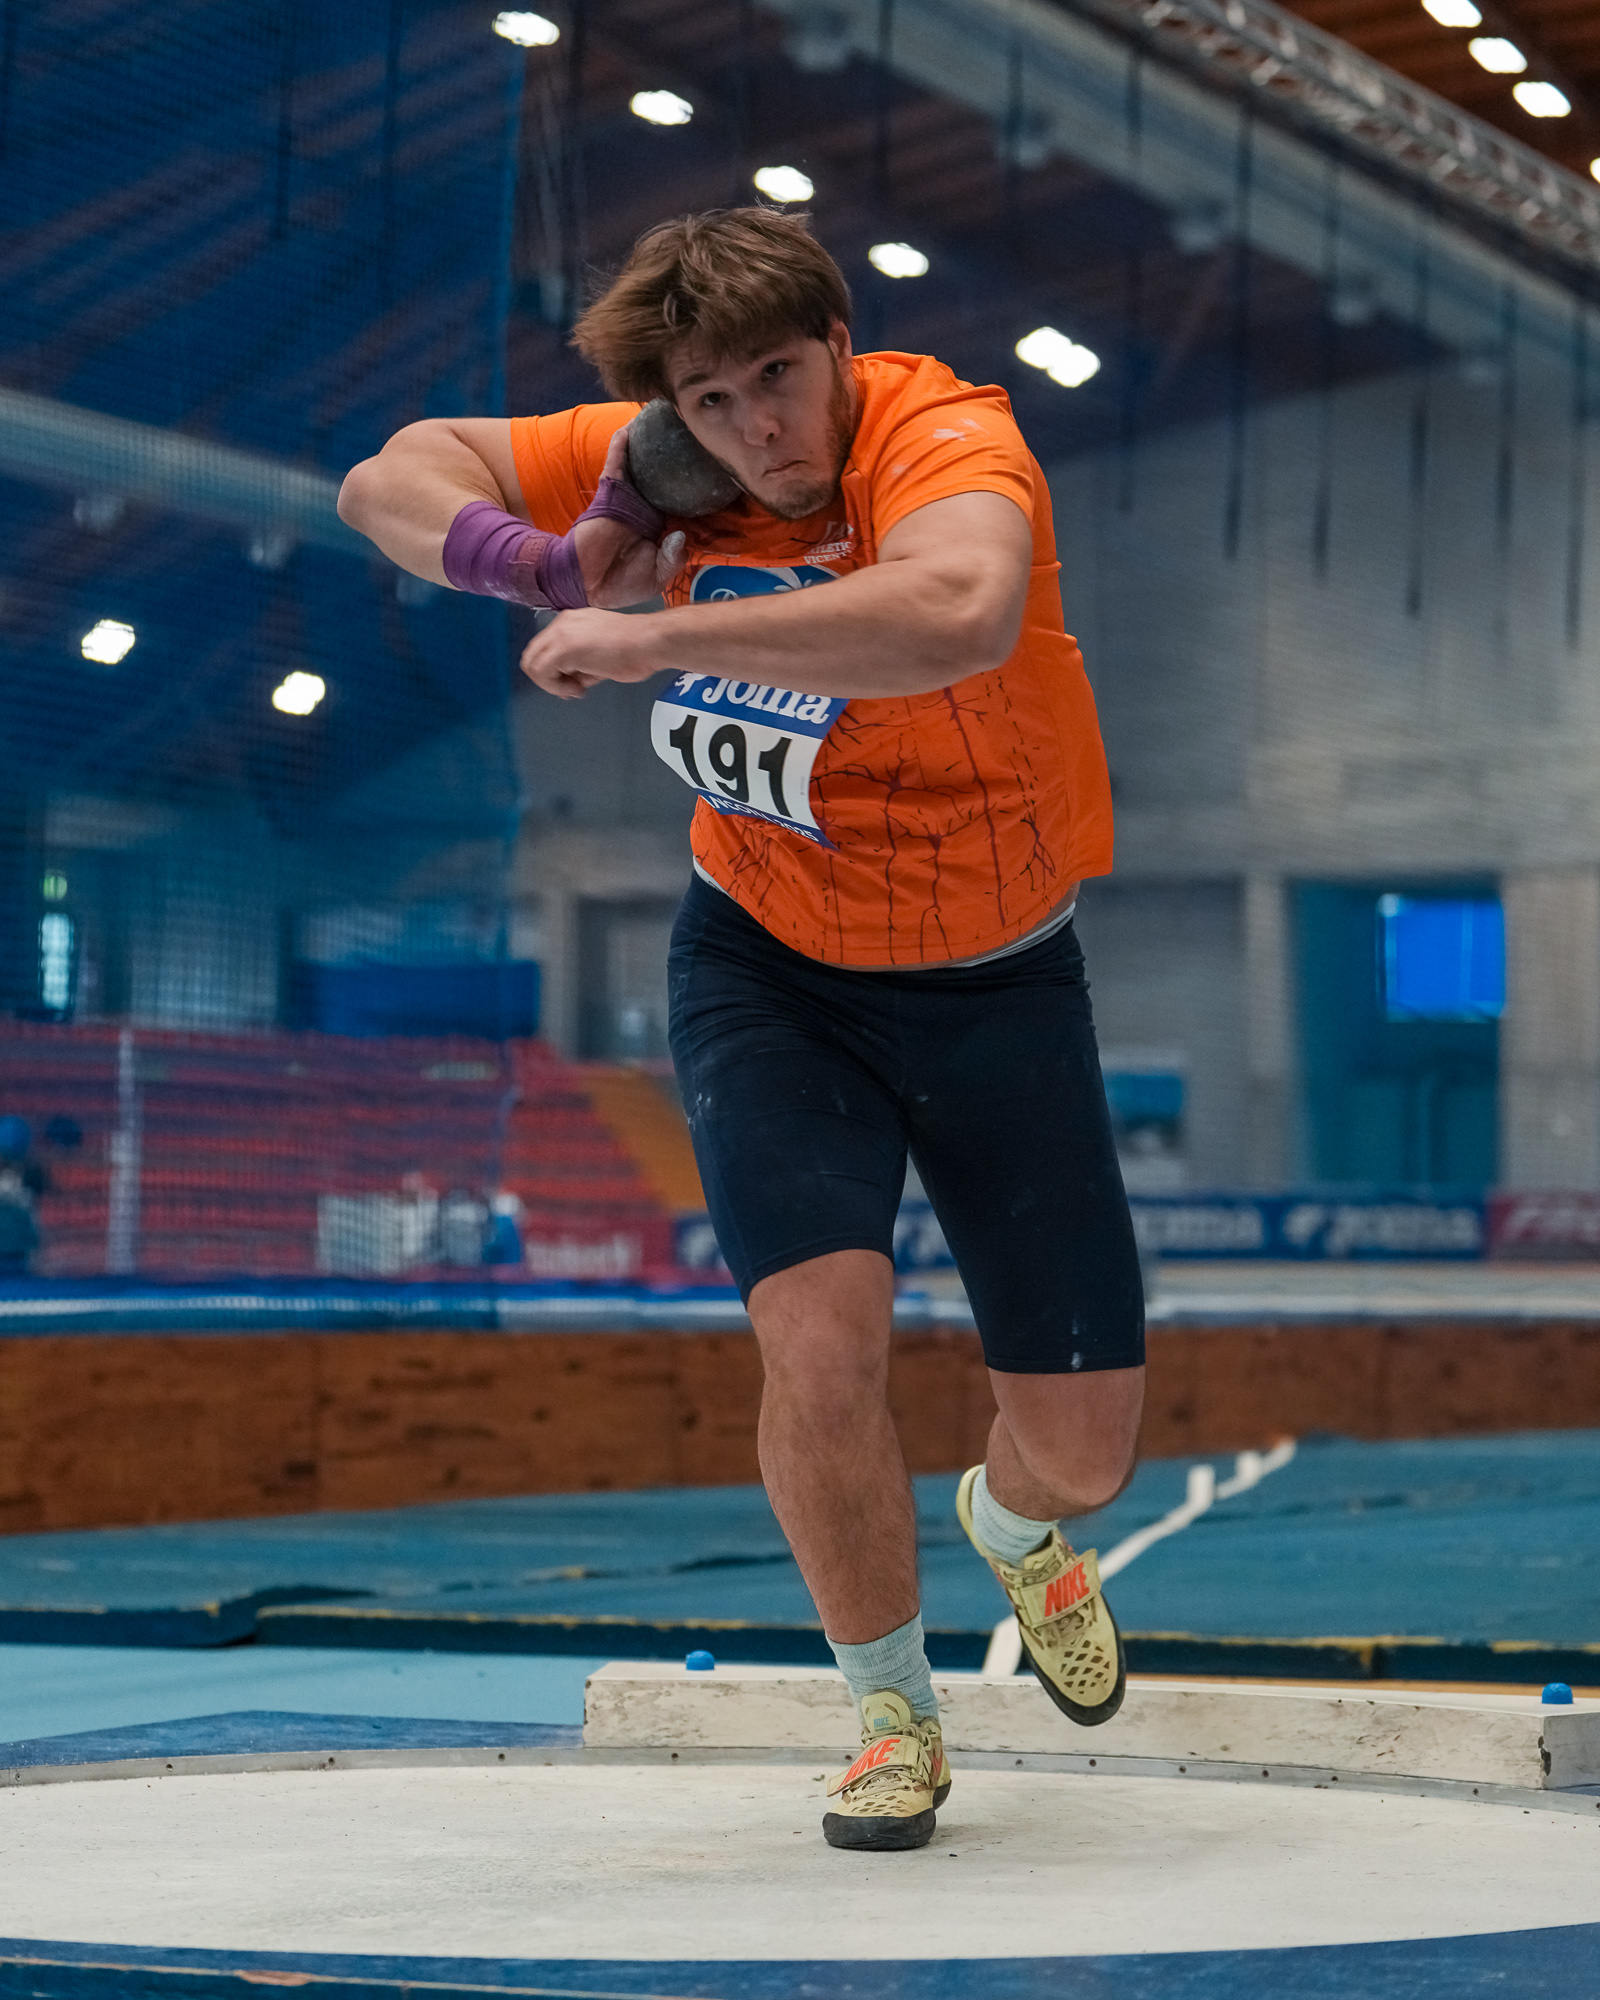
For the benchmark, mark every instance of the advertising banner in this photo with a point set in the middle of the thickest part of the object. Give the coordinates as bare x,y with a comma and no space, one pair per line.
1300,1228
1555,1227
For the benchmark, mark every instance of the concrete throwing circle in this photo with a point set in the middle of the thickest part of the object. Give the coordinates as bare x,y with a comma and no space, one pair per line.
723,1861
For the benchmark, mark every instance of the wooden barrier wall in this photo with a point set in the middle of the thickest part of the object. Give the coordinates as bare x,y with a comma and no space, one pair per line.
125,1429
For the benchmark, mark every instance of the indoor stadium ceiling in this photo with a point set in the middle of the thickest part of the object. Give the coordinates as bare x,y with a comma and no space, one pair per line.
290,236
1185,325
267,233
1560,40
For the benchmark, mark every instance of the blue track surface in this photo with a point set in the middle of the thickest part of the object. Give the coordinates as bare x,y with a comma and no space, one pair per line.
264,1730
62,1691
1519,1965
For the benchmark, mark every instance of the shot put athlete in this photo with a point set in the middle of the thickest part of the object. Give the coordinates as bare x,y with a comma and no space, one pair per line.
901,784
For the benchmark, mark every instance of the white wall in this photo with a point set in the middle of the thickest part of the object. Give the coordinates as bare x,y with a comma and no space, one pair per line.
1258,716
1166,972
1265,721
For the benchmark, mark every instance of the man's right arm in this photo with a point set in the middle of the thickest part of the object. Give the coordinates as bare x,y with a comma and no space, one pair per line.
413,494
406,497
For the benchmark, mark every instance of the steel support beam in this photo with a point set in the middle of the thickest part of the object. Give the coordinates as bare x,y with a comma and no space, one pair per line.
105,458
1324,80
1183,150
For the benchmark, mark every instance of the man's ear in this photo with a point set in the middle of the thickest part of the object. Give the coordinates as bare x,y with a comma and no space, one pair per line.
839,341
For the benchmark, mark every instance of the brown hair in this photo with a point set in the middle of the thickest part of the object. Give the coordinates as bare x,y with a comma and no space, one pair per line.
736,280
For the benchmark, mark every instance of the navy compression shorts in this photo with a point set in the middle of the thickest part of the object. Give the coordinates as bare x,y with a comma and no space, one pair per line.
806,1086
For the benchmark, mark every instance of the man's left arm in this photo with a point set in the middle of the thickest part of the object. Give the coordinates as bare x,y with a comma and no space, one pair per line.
944,600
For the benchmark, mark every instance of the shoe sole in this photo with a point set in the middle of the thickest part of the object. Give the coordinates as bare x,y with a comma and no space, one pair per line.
1103,1711
878,1836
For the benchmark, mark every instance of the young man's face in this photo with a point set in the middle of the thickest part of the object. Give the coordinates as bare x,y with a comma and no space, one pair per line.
781,423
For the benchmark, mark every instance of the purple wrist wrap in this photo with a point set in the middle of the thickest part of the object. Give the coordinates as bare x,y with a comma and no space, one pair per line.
492,554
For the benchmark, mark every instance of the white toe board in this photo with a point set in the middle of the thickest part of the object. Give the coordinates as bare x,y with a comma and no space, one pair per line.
1365,1730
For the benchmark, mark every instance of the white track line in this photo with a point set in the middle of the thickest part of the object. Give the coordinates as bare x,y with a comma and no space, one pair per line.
1004,1656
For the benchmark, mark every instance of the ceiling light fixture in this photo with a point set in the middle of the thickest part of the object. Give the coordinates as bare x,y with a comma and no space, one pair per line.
897,260
108,642
1495,54
298,694
1063,360
1542,100
783,183
1594,170
661,107
528,31
1453,13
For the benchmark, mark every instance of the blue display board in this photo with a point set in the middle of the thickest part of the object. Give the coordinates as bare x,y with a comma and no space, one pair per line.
1442,959
494,1001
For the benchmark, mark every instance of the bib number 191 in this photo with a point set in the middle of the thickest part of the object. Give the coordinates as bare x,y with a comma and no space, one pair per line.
745,748
727,751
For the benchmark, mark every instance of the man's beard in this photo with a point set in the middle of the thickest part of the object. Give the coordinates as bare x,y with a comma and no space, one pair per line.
803,502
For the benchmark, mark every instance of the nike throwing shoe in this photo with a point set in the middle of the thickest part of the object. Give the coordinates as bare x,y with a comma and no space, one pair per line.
888,1795
1069,1636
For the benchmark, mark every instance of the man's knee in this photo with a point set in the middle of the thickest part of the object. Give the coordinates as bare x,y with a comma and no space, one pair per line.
822,1354
1085,1474
1077,1434
1103,1479
824,1329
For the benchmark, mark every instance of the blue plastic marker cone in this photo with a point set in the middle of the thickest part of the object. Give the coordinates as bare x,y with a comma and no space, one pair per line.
702,1663
1557,1695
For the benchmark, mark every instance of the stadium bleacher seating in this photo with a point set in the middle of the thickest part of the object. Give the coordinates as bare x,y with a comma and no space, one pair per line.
241,1140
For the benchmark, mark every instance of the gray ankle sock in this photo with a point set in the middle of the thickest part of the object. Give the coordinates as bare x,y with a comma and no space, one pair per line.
898,1660
1002,1534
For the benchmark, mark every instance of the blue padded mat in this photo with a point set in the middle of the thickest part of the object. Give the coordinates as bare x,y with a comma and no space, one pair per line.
1469,1539
1473,1541
672,1554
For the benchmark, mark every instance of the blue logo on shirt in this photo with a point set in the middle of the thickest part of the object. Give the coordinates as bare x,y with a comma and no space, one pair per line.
722,581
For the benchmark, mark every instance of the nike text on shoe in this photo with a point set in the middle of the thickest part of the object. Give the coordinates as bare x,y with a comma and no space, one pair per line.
887,1797
1069,1636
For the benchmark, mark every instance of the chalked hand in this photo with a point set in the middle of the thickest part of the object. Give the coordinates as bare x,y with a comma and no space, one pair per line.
670,467
621,551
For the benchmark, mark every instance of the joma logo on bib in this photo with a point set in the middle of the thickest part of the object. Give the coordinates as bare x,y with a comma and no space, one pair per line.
786,702
745,747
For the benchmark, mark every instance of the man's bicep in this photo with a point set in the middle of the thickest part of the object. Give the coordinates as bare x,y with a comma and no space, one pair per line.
973,555
982,534
489,438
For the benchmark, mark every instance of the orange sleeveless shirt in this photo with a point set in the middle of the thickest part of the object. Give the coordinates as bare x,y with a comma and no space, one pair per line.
958,818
